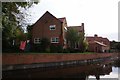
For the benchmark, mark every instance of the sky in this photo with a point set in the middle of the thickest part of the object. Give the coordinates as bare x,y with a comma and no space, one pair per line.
99,16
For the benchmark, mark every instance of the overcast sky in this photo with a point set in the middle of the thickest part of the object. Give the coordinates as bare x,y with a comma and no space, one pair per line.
99,16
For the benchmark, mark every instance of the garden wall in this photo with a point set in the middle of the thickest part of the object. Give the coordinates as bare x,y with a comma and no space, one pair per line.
26,58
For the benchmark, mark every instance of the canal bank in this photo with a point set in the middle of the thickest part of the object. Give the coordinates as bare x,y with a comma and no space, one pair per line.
26,61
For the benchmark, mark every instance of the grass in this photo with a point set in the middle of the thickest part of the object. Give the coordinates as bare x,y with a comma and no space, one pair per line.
88,53
49,53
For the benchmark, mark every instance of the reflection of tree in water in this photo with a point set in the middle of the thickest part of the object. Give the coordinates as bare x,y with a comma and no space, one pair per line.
97,77
116,63
99,70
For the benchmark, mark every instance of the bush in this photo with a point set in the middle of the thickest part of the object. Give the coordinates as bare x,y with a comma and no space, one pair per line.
66,51
59,49
56,48
36,48
47,50
42,47
53,48
45,43
9,48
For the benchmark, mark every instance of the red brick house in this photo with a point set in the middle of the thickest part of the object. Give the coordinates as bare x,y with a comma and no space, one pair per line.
50,27
98,44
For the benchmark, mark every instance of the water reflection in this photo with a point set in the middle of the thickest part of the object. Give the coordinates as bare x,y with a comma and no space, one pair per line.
83,72
113,74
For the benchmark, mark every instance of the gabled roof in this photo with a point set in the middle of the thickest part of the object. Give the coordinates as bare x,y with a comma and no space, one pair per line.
47,12
50,14
102,44
62,19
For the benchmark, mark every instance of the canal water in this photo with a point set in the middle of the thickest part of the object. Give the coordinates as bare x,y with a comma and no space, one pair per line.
97,71
112,74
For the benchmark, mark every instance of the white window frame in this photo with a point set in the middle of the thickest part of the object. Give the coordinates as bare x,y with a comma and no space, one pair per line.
55,40
37,40
52,27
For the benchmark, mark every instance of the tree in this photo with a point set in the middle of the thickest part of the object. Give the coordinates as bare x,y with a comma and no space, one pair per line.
72,38
29,28
83,44
10,24
115,46
118,46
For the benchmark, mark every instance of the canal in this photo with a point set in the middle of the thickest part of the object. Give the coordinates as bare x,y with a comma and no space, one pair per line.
90,71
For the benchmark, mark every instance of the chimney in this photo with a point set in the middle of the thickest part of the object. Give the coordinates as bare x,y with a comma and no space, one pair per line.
95,35
82,24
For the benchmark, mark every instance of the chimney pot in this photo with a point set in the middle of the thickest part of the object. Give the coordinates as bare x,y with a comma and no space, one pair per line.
83,24
95,35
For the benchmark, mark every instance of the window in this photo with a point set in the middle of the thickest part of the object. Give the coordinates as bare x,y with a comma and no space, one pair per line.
52,27
37,40
55,40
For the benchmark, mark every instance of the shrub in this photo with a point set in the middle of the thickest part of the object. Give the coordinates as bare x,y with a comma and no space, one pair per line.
42,47
45,43
53,48
59,49
56,48
36,47
66,51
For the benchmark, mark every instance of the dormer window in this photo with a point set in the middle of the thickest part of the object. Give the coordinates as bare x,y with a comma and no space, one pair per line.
52,27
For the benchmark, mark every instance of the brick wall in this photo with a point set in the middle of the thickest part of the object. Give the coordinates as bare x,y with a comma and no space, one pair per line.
8,59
